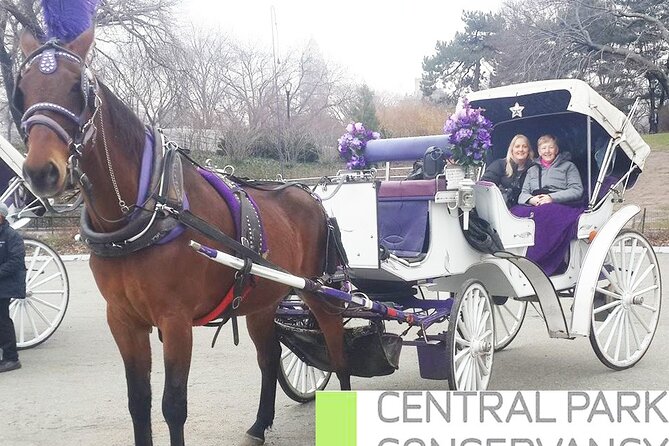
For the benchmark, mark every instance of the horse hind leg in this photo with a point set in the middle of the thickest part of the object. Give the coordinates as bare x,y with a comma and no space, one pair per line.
332,326
135,348
261,330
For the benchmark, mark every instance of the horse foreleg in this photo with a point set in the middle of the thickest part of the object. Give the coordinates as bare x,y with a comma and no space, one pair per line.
135,348
332,326
261,330
177,352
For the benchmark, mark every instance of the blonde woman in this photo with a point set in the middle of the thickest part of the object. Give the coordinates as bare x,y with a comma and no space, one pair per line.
509,173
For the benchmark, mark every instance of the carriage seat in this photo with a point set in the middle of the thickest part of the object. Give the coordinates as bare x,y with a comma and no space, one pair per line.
403,216
490,205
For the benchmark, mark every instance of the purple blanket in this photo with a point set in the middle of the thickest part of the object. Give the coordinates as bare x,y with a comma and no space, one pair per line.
555,226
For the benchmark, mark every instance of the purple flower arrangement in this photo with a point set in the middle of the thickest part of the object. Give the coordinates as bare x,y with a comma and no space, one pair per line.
470,133
352,145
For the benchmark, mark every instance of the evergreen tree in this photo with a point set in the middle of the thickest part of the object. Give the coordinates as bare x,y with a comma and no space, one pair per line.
465,63
364,109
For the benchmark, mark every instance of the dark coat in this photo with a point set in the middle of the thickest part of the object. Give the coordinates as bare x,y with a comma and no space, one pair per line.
12,263
510,186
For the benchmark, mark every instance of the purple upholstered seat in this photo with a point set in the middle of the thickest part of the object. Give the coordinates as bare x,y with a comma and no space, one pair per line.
403,215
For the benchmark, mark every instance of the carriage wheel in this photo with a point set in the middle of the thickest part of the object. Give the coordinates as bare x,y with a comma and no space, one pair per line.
471,338
626,306
509,318
299,380
38,316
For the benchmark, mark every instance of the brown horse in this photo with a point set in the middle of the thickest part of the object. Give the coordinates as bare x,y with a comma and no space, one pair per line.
166,286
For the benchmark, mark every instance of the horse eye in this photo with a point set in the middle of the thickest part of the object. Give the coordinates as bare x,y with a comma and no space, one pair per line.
76,88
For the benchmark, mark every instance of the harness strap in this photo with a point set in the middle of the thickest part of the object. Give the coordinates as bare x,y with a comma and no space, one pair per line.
192,221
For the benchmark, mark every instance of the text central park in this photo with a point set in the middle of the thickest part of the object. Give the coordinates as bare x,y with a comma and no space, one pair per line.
529,407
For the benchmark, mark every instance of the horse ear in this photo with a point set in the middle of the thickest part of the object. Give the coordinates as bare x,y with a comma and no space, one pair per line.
83,44
28,42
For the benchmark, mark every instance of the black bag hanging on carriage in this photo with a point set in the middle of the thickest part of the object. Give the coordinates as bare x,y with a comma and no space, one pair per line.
481,236
370,351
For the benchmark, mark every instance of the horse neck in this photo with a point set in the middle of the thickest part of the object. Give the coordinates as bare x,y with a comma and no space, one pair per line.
124,135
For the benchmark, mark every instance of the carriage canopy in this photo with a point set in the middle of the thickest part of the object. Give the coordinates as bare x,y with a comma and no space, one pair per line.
558,107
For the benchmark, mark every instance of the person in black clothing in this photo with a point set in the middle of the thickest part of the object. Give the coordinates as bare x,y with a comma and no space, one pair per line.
509,173
12,286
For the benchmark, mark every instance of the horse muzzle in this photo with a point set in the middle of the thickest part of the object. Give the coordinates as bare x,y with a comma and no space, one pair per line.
45,180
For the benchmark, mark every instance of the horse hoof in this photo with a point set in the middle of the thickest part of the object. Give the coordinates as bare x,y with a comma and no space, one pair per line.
252,440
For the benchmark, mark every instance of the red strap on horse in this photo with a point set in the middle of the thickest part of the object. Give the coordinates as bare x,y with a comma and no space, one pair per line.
222,306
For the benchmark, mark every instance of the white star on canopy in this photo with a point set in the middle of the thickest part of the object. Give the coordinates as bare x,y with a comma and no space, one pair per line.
517,111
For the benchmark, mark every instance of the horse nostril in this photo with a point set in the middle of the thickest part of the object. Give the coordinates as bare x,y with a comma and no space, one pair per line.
45,180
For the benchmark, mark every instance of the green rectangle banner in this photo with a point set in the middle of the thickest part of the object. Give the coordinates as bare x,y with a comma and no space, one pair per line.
336,419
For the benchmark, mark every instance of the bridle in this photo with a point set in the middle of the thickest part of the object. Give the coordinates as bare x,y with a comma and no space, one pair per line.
47,57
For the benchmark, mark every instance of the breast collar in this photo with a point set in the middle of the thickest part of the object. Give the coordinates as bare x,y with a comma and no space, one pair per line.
160,182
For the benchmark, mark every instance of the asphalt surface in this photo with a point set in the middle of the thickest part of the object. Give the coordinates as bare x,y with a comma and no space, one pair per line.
71,389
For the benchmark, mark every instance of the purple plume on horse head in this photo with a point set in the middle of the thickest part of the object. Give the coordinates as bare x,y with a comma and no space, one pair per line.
66,19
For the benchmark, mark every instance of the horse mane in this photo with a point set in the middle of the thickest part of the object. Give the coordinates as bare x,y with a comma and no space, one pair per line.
129,129
67,19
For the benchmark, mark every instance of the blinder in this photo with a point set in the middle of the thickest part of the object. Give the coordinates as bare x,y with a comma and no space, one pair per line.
48,56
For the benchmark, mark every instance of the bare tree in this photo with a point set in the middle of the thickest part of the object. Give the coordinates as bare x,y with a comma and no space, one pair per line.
621,46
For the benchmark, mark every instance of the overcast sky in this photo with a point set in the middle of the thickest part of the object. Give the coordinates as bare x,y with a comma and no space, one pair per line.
380,42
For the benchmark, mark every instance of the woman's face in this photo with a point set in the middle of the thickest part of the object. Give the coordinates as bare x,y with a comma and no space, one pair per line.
520,151
548,151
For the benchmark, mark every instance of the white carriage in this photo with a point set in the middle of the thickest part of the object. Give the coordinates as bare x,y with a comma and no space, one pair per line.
403,237
40,314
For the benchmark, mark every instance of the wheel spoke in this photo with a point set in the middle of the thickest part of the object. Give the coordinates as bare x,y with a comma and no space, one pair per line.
293,362
483,366
460,355
608,320
42,282
41,269
609,293
641,321
631,260
637,267
296,377
635,333
614,283
463,328
627,326
648,307
645,290
613,331
515,317
642,277
501,319
45,303
619,338
606,307
39,313
616,266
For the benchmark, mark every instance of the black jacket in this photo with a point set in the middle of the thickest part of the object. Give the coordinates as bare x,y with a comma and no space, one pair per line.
511,186
12,263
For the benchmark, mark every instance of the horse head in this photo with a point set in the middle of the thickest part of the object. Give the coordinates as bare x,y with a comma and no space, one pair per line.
56,94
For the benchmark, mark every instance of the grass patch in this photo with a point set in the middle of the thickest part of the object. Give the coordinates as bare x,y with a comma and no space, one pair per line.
658,141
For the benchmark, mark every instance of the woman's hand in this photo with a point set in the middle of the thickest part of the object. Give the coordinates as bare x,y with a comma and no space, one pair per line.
539,200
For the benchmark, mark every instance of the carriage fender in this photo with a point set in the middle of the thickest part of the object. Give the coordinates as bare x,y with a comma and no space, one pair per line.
591,267
496,275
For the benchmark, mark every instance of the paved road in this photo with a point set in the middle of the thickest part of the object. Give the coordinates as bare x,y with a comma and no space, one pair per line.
71,389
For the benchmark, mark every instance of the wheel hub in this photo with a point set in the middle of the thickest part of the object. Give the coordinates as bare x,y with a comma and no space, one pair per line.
629,300
480,348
